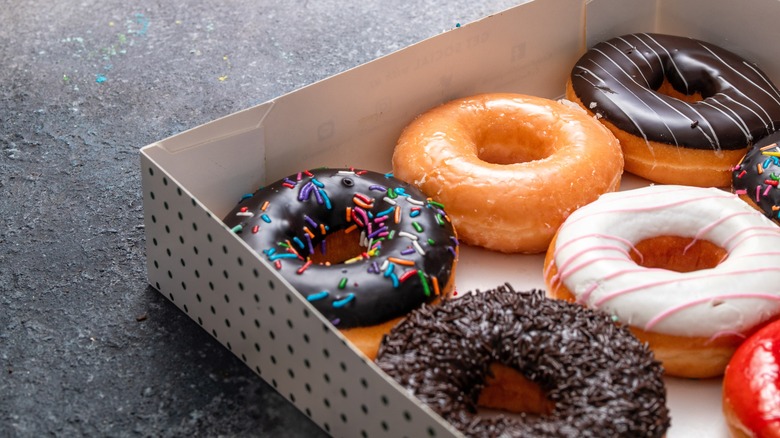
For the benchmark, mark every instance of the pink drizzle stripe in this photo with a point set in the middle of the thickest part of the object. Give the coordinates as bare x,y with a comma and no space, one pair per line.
761,232
571,260
714,224
748,238
689,278
563,270
762,254
658,318
586,295
603,201
587,263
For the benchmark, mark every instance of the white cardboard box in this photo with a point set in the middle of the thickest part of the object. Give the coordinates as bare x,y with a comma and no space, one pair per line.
194,178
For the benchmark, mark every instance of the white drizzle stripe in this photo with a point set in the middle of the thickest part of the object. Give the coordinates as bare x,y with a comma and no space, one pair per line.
635,49
740,122
660,61
763,77
647,83
674,64
613,101
628,90
716,143
763,90
706,303
747,108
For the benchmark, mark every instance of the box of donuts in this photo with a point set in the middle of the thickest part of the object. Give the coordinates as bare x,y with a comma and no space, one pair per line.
558,220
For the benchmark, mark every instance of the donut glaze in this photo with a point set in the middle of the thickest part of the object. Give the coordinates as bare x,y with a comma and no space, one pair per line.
594,258
600,379
509,167
407,253
676,91
751,385
756,178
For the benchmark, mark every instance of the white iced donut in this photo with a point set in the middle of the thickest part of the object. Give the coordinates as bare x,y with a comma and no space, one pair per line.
691,270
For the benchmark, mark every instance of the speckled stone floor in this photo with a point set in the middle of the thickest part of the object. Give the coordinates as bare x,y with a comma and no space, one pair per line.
87,348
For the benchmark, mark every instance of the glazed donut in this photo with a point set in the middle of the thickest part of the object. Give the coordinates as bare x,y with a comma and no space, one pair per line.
684,110
363,247
595,377
509,167
690,270
755,179
751,385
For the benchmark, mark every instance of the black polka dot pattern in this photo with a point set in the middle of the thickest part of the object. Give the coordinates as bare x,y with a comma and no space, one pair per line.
202,268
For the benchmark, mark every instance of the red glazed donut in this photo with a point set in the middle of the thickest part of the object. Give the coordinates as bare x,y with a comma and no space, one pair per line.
751,385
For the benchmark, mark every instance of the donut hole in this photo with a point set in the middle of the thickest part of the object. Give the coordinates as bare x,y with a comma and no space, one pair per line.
675,253
340,246
512,143
668,89
506,389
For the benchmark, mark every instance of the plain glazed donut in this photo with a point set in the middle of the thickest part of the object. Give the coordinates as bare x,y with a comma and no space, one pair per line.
684,110
595,378
692,271
755,179
751,385
509,167
364,248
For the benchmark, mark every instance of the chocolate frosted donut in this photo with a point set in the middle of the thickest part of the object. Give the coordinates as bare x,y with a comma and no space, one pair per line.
363,247
661,90
600,379
755,179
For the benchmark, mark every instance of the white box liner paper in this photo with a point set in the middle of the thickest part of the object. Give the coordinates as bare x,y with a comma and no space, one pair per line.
193,179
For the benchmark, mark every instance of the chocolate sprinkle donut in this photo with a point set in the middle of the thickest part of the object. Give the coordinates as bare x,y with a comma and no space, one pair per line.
757,177
406,247
601,379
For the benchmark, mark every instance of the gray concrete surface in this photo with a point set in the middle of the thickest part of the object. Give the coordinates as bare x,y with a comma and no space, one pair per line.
86,347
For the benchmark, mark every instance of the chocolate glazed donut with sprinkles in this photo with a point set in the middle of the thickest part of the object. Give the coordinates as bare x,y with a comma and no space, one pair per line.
363,247
756,178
